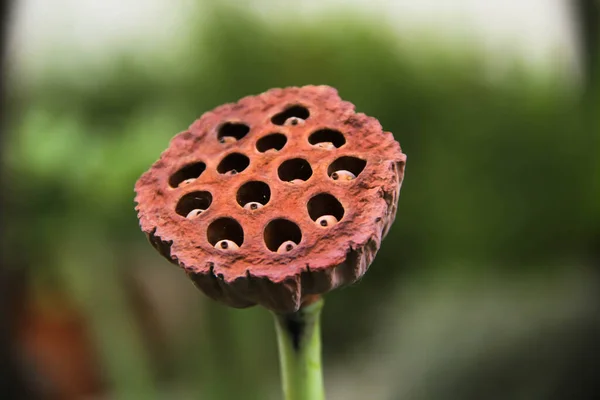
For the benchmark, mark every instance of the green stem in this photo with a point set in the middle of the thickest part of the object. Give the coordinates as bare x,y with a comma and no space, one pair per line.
299,342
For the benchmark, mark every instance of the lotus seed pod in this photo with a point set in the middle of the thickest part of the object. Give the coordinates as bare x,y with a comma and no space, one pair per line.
194,213
226,245
228,178
253,205
325,145
228,139
343,175
286,247
326,221
293,121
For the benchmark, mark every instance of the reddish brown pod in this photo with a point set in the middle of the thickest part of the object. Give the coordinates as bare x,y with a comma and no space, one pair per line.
274,199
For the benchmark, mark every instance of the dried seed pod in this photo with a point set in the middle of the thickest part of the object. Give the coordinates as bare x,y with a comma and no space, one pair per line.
293,121
253,205
325,145
326,221
286,247
226,245
342,175
255,273
194,213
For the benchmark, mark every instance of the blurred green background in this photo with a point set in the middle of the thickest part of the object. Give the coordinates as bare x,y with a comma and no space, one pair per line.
485,288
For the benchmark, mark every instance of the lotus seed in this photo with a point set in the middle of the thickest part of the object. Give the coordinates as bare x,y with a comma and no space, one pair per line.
325,145
253,205
293,121
228,139
226,245
326,220
194,213
187,181
343,175
286,246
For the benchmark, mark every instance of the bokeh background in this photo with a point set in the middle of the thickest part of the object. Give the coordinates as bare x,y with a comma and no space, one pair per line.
485,288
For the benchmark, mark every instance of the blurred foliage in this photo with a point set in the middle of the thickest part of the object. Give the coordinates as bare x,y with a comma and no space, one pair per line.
498,176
